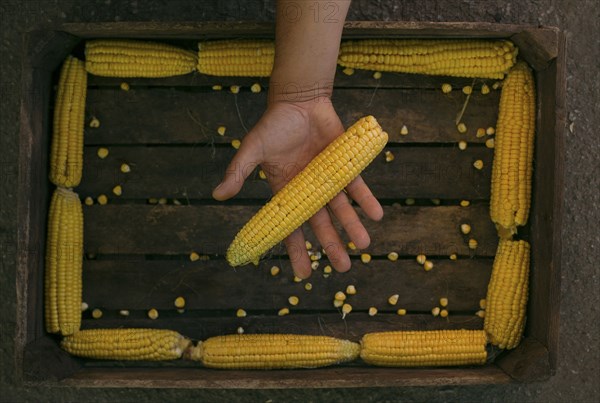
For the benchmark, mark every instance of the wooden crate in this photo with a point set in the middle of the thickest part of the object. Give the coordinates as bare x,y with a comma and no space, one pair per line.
166,130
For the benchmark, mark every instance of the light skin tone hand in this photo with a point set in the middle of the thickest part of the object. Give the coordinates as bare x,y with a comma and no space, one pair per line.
300,122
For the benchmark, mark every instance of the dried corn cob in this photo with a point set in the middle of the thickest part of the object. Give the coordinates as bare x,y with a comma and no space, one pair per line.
66,152
323,178
270,351
506,299
424,348
453,57
130,58
513,152
126,344
64,258
237,58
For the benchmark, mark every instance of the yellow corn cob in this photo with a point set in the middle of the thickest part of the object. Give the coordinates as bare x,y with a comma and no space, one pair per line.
129,58
237,58
507,293
270,351
424,348
66,152
126,344
323,178
64,258
449,57
513,152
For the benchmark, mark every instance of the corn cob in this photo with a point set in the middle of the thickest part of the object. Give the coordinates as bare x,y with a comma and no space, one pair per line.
64,258
129,58
323,178
513,152
249,58
66,152
454,57
424,348
126,344
507,294
271,351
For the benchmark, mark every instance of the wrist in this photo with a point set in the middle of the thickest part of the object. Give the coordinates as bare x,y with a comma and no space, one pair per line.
298,92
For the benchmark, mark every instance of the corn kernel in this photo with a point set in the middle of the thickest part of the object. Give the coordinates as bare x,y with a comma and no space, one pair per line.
446,88
444,302
478,164
293,300
96,313
194,256
240,330
152,200
153,314
327,269
490,131
393,256
465,203
124,86
102,200
256,88
453,256
485,89
262,174
340,296
461,127
124,312
421,259
482,303
180,310
283,311
480,132
297,279
94,124
179,302
480,313
176,202
236,143
497,85
102,152
351,245
348,71
377,75
217,87
389,157
436,202
308,245
308,286
221,130
351,290
346,309
467,89
462,145
118,190
393,300
444,313
365,258
428,265
372,311
337,303
125,168
274,271
88,201
240,313
435,311
490,143
84,306
314,265
162,200
465,228
409,202
401,312
234,89
472,243
315,256
404,130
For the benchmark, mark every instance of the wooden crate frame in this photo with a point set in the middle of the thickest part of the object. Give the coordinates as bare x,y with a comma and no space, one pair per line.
40,361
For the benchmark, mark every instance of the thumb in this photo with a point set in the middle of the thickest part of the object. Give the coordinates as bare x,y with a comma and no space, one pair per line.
247,158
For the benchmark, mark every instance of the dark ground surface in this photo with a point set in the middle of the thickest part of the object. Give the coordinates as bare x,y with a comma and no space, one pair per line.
578,375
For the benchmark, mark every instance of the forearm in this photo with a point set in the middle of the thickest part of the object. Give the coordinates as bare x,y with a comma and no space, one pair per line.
308,34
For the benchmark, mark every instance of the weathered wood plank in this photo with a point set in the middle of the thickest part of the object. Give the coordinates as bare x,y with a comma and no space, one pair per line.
166,229
213,284
193,172
184,116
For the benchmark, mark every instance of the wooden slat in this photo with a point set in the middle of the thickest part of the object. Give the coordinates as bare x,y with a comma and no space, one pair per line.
166,229
193,172
213,284
174,115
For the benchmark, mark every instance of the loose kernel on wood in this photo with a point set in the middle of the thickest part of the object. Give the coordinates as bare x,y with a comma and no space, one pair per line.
351,290
153,314
179,302
472,243
490,131
88,201
465,203
421,259
217,87
337,303
461,127
308,245
393,256
314,265
327,269
124,312
96,313
221,130
389,157
256,88
240,330
377,75
482,303
124,86
453,256
102,152
234,89
283,311
274,271
446,88
346,309
84,306
340,296
236,144
102,200
393,300
410,202
348,71
240,313
465,228
490,143
478,164
462,145
162,200
444,313
480,132
372,311
444,302
428,265
436,202
404,130
118,190
365,258
401,312
262,174
435,311
480,313
94,124
351,245
194,256
308,286
467,89
485,89
297,279
125,168
293,300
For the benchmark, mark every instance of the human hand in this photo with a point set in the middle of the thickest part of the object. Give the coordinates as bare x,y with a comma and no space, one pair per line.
286,138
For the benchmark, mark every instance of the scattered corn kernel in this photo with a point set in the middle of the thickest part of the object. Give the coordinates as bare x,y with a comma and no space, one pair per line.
462,145
125,168
404,130
461,127
435,311
346,309
490,143
308,286
409,202
194,256
351,290
497,85
490,131
467,89
480,313
221,130
478,164
240,313
436,202
293,300
337,303
465,228
393,300
118,190
421,259
308,245
297,279
256,88
472,243
283,311
162,200
453,256
377,75
125,86
315,256
217,87
96,313
314,265
393,256
465,203
327,269
444,313
102,200
446,88
153,314
274,271
365,258
84,306
176,202
234,89
240,330
348,71
480,132
94,124
389,157
401,312
485,89
262,174
124,312
180,310
351,245
444,302
428,265
235,143
88,201
152,200
340,296
372,311
179,302
102,152
482,303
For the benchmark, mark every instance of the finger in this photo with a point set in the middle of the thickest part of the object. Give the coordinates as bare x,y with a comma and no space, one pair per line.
361,194
330,240
296,248
345,213
243,163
